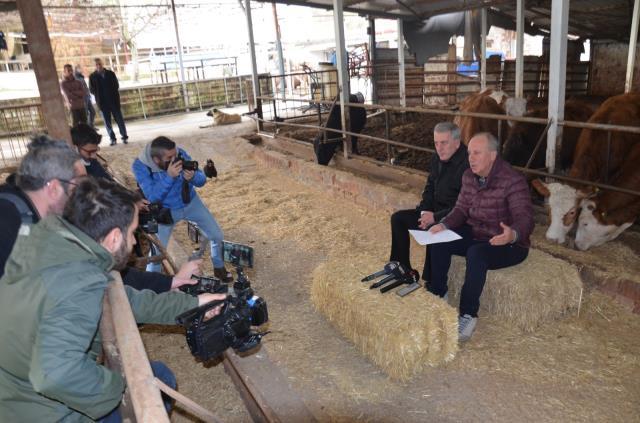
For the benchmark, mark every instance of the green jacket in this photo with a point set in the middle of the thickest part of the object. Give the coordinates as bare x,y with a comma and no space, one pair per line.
50,306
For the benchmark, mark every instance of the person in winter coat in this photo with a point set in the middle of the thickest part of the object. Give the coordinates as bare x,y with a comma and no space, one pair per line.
162,180
104,85
439,195
91,112
494,217
51,301
74,93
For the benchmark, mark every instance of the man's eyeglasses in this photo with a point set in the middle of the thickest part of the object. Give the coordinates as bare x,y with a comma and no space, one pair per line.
65,181
91,152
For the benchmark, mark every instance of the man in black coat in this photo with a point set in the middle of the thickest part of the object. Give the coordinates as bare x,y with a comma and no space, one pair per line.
439,195
104,85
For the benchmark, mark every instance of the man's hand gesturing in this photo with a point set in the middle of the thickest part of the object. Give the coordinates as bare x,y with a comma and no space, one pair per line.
507,236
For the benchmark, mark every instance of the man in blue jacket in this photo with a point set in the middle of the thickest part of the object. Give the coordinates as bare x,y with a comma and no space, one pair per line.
163,180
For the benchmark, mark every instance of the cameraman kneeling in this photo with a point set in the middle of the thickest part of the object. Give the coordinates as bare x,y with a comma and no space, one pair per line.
163,178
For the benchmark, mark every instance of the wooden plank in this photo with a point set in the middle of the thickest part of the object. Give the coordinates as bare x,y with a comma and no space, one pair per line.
145,395
262,380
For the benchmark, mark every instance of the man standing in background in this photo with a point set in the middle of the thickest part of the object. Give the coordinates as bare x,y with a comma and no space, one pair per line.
74,93
104,85
91,112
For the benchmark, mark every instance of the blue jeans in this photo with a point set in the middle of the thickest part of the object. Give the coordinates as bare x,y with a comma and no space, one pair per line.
481,257
162,372
198,213
117,115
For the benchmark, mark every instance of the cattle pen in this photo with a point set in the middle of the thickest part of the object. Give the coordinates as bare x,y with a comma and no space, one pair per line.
556,337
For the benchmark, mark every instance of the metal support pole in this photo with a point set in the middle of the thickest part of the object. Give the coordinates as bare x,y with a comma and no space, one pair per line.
557,68
44,66
343,71
254,65
401,73
520,49
483,49
283,84
226,90
198,93
185,94
633,41
373,59
144,112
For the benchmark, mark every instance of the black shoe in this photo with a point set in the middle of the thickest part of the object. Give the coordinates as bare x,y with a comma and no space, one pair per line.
124,140
113,142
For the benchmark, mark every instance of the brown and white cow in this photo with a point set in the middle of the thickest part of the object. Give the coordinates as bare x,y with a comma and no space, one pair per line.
487,101
566,202
523,136
608,213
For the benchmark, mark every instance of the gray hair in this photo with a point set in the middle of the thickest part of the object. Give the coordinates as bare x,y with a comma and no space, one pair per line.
492,141
450,127
46,159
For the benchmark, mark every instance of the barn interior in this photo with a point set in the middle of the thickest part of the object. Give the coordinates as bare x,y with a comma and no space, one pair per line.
555,340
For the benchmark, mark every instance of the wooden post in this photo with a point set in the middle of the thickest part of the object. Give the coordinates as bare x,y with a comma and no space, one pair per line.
401,68
53,109
145,395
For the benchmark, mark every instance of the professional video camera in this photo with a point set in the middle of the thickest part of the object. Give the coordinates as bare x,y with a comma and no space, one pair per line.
187,164
241,310
396,274
155,214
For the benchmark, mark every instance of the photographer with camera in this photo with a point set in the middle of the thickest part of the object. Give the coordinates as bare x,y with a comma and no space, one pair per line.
167,175
53,291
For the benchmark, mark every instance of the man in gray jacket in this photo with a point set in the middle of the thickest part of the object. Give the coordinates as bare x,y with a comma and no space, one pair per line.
74,93
51,304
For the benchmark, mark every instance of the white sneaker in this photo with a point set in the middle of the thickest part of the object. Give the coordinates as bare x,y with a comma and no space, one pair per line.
466,326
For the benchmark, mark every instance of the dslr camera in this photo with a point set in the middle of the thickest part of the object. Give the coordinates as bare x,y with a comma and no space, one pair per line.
149,220
187,164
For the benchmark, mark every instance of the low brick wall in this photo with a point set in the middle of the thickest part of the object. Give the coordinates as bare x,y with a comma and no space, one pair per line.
339,183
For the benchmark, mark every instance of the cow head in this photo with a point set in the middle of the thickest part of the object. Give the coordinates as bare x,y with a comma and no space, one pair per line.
593,228
515,107
563,208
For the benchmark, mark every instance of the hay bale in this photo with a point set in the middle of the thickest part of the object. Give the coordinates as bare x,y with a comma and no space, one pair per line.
540,289
400,335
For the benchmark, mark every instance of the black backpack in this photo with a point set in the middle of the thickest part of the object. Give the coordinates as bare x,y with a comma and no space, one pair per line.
27,216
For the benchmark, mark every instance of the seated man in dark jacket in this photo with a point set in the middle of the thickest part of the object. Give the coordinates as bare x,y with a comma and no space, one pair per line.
494,217
439,195
51,302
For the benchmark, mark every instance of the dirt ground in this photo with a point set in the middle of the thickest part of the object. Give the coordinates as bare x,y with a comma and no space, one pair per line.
410,128
583,368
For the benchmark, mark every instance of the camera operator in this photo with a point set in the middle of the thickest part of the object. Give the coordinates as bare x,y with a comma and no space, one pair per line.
46,176
162,178
54,286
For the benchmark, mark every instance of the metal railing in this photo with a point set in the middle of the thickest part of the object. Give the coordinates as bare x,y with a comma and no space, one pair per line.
17,124
386,109
21,119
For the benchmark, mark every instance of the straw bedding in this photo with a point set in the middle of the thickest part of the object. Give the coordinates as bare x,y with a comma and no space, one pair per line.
400,335
540,289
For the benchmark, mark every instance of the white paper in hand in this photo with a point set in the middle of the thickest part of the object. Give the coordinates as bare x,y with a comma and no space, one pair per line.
426,237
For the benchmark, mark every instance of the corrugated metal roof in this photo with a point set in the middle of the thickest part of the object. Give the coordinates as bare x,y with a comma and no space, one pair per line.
594,19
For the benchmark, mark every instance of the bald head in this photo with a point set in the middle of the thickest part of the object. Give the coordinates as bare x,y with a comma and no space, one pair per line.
483,151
